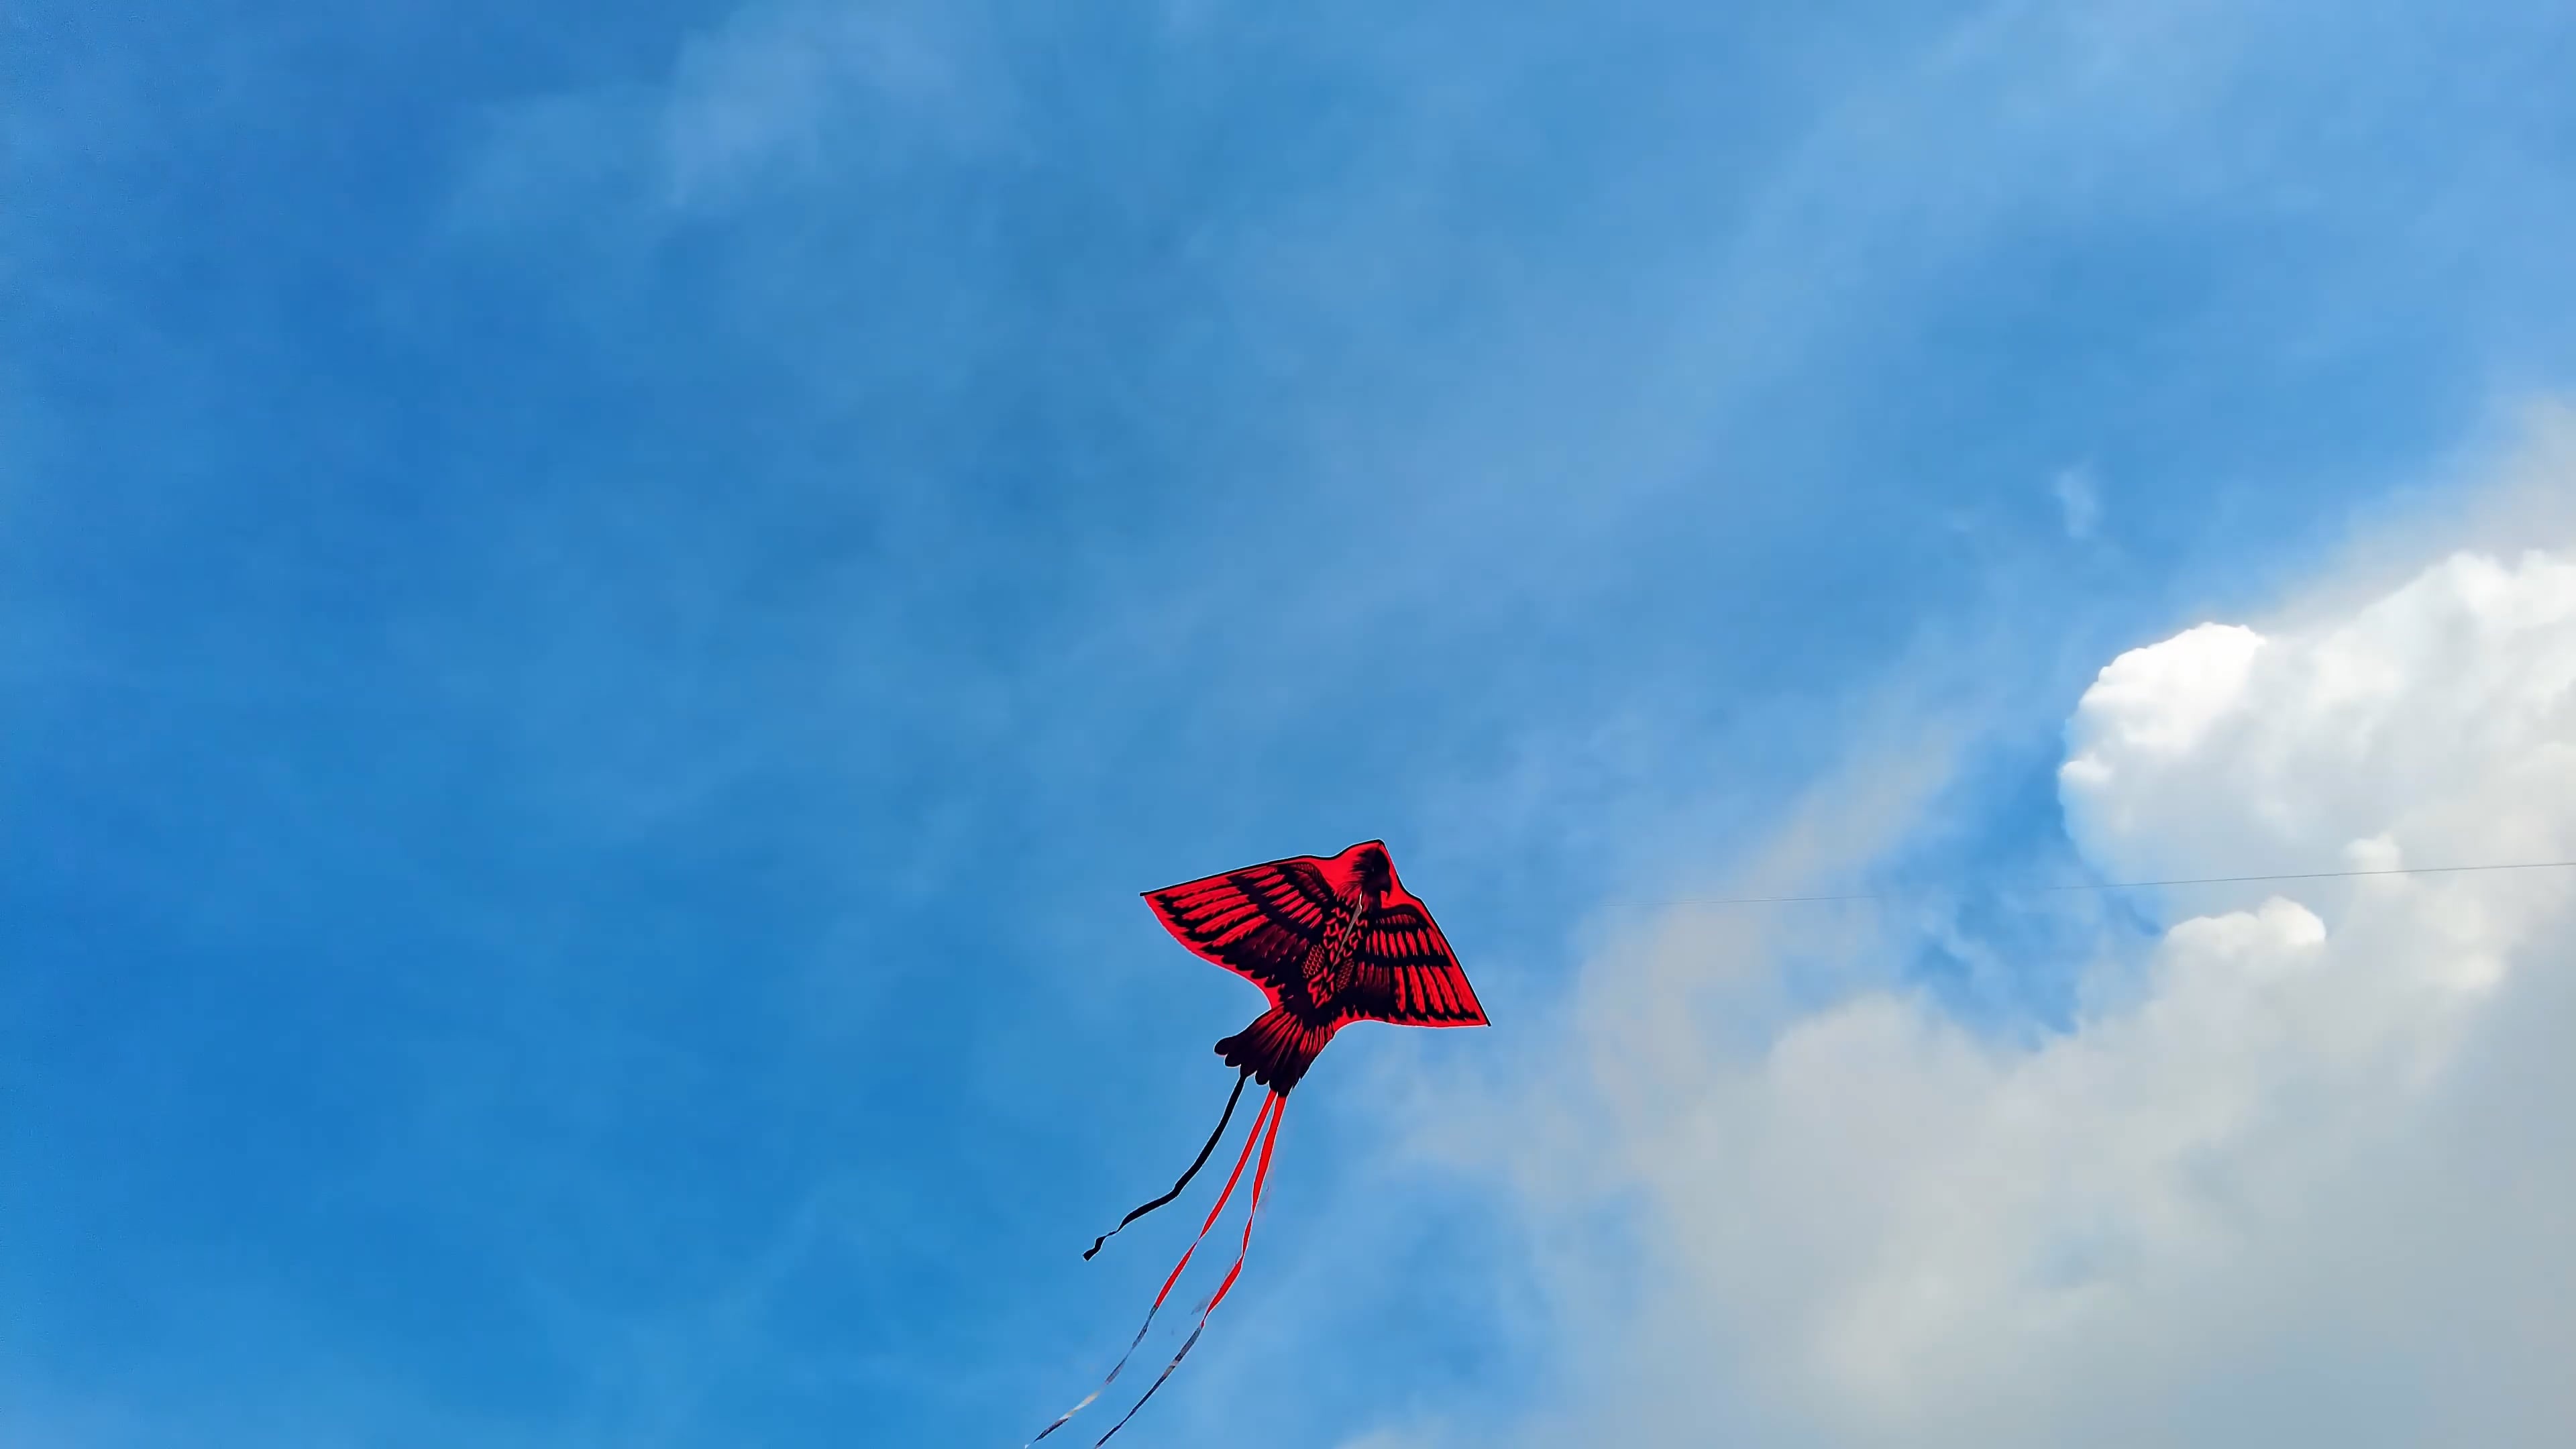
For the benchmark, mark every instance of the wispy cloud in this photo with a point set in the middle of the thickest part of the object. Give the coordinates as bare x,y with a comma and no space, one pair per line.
781,97
2079,501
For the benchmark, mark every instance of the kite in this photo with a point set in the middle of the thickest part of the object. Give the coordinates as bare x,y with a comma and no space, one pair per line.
1330,942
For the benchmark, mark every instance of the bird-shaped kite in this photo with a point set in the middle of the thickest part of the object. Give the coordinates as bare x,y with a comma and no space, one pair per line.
1330,942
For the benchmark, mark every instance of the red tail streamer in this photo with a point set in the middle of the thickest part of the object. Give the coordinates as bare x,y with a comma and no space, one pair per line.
1274,1109
1269,1113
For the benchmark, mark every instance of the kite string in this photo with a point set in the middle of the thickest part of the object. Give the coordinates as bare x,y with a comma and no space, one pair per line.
1213,1138
1265,1114
1251,1211
2139,885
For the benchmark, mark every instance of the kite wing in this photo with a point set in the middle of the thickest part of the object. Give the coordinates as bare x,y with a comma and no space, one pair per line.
1407,974
1258,922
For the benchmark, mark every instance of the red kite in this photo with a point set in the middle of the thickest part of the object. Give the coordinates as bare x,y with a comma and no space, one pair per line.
1329,942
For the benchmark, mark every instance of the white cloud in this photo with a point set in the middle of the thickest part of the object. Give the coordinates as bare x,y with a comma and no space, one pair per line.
2301,1176
2437,722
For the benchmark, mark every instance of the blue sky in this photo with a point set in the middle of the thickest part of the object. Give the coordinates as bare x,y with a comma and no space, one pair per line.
605,610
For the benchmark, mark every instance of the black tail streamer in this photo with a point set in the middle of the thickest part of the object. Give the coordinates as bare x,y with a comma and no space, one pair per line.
1213,1139
1275,1109
1268,1106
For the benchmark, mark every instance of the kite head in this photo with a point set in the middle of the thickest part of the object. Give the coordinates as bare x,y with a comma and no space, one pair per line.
1370,869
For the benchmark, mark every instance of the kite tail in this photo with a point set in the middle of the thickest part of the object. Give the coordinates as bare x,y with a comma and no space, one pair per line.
1213,1138
1275,1108
1268,1114
1275,1049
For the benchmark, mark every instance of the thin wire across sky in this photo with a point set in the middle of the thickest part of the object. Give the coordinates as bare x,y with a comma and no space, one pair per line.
2140,885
